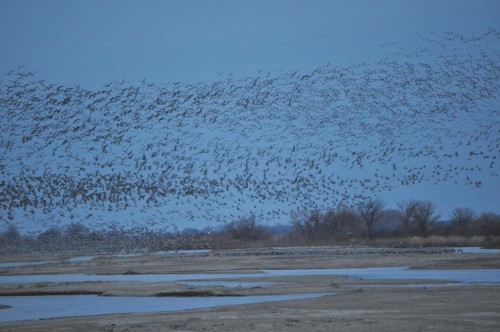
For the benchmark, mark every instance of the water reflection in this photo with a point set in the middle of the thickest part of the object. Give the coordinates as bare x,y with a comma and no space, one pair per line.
35,307
18,264
401,272
39,307
465,250
121,277
477,250
230,283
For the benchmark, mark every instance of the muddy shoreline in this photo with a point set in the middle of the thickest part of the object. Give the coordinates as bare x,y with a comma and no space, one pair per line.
357,305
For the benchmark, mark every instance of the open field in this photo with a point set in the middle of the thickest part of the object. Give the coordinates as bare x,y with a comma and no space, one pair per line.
359,304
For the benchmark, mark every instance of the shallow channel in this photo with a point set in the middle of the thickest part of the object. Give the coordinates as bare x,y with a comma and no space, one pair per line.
41,307
458,250
458,275
36,307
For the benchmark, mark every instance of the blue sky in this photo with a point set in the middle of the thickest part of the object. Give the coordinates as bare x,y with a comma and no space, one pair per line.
90,42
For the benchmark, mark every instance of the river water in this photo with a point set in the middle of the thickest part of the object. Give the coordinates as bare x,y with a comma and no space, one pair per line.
37,307
401,272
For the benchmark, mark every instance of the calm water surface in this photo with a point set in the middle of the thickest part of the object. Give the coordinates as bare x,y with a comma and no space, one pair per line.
402,272
36,307
39,307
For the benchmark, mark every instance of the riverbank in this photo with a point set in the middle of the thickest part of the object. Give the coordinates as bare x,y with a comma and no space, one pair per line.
358,304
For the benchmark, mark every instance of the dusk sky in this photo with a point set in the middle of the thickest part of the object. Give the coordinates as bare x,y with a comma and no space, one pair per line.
91,42
450,155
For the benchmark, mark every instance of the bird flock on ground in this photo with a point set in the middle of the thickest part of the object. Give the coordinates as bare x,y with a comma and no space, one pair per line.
157,154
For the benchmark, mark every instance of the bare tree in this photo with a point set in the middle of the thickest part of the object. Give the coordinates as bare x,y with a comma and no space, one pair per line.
340,223
50,239
370,212
349,218
462,220
245,228
424,218
11,236
487,224
329,225
307,225
407,210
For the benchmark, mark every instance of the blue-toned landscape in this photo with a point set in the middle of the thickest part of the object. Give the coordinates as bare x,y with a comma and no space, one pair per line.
249,166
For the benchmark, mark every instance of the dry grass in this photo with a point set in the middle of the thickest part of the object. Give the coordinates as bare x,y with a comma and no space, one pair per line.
222,241
441,241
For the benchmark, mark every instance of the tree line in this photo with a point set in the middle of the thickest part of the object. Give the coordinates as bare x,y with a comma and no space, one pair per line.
415,218
370,219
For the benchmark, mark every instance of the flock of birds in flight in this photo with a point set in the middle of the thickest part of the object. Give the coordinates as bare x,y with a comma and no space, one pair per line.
266,145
